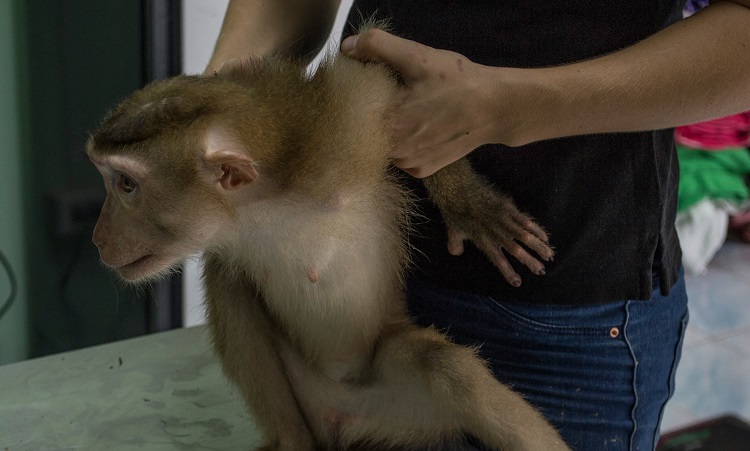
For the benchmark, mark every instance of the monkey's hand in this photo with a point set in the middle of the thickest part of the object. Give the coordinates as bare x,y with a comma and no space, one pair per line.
487,218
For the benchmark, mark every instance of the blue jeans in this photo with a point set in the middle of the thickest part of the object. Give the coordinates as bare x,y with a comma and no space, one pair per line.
600,373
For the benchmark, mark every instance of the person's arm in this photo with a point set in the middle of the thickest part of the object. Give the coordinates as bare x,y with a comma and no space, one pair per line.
297,28
696,69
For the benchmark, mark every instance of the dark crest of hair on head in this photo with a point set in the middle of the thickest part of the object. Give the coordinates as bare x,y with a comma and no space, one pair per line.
144,116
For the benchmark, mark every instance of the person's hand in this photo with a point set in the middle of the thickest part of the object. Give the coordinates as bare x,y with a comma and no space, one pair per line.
450,105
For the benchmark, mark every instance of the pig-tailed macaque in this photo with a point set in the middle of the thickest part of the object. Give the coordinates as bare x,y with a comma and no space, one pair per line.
283,182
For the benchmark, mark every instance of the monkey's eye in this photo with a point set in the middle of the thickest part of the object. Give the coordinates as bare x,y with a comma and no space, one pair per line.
126,184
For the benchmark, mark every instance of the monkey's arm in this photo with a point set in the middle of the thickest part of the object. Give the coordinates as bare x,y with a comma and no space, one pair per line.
243,339
487,218
256,28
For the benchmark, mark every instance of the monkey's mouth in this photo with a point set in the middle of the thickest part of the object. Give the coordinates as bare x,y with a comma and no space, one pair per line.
129,270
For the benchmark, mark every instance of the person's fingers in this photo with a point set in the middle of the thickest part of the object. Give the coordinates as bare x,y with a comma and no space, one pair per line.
405,56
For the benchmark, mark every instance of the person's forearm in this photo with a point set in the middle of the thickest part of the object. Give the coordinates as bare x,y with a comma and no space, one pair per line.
694,70
260,27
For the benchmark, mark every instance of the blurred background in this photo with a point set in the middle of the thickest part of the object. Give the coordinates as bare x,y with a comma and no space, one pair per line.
62,65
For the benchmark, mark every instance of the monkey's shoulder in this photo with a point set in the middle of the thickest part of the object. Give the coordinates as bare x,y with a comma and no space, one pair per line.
337,77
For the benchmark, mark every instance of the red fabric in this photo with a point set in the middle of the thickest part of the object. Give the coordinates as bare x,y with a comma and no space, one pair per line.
726,132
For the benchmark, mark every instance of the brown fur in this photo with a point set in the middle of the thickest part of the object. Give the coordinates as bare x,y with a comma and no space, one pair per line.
283,182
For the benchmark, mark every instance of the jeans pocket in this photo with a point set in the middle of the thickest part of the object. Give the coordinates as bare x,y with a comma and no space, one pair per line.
596,320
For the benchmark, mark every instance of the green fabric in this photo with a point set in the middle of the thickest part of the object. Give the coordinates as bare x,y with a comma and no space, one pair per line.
714,175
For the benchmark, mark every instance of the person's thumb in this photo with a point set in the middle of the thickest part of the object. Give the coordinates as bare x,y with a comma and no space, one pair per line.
380,46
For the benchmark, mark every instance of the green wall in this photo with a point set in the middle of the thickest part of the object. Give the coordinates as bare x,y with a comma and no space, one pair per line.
63,64
14,343
84,56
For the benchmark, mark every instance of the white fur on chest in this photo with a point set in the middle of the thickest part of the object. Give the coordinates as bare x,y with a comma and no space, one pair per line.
323,272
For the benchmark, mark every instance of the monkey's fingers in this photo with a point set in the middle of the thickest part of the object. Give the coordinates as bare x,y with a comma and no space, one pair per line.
541,248
492,239
529,224
517,251
496,256
456,241
533,236
508,236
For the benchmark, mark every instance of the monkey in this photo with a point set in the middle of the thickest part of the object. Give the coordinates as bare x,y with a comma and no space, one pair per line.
282,182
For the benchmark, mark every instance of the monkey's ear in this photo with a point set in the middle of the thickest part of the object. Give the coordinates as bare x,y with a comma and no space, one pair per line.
233,167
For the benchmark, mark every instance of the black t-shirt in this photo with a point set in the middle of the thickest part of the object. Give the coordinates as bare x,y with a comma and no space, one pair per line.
608,201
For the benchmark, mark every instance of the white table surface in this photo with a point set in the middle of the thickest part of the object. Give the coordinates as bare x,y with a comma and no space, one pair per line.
158,392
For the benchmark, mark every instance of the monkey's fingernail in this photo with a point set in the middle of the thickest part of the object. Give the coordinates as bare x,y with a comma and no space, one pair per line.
541,272
516,282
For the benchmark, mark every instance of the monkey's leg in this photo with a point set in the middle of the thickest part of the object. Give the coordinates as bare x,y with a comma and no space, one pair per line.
473,210
424,389
243,339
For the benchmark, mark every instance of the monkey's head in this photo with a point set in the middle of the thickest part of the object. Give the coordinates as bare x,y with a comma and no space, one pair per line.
174,174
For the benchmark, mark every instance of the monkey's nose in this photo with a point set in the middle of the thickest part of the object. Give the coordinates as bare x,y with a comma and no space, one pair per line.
100,232
98,241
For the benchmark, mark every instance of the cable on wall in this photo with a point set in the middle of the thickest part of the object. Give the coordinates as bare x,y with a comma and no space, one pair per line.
13,286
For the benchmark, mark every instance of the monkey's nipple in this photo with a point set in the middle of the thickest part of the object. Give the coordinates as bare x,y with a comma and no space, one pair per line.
313,275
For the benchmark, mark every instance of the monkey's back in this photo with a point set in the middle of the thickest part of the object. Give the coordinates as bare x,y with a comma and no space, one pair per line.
341,121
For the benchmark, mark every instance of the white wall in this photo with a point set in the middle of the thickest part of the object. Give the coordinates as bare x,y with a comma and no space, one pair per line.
201,22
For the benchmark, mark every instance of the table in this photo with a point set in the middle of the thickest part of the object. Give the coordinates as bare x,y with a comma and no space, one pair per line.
159,392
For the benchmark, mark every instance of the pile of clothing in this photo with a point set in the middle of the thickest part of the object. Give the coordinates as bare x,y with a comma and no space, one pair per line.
714,195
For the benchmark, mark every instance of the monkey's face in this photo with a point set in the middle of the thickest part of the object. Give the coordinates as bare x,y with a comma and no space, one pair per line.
150,221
